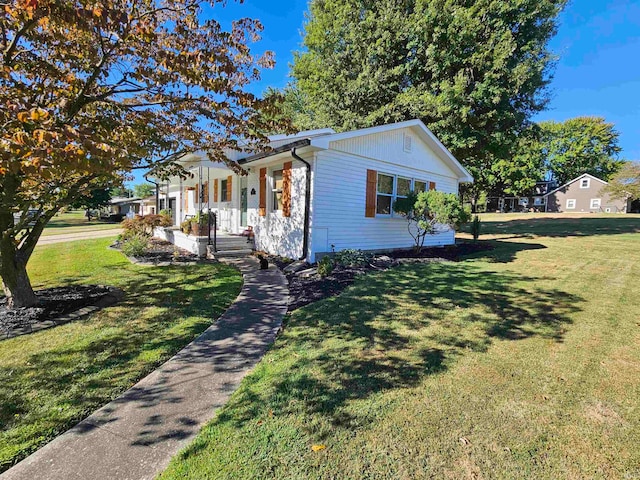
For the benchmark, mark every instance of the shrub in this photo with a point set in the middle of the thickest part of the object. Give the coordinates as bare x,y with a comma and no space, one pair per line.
144,225
352,258
325,266
135,246
475,227
185,226
430,212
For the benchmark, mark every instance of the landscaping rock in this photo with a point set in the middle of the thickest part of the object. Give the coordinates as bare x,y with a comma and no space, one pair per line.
309,272
295,267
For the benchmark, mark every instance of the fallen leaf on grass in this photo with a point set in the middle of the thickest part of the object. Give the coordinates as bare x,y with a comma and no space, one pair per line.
464,441
317,448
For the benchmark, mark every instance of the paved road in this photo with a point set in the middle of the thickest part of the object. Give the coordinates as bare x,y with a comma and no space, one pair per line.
71,237
135,436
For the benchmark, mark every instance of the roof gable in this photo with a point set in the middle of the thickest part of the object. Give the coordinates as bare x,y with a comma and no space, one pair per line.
570,182
417,127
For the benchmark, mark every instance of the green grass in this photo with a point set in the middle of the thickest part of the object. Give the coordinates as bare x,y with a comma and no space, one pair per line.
521,362
53,378
75,222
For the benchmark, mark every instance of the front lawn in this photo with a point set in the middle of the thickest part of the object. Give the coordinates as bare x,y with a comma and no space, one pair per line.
519,362
75,222
53,378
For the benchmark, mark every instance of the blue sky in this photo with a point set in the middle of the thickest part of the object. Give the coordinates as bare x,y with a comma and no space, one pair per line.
598,71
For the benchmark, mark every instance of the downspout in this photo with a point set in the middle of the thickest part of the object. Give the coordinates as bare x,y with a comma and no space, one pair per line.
307,204
157,193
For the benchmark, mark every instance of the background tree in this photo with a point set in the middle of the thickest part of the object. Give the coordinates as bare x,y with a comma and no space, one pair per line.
474,72
143,190
121,192
430,212
625,183
93,89
94,199
580,145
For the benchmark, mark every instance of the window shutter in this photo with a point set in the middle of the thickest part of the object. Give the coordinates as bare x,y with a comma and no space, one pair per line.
432,185
372,187
229,188
205,191
263,192
215,190
286,189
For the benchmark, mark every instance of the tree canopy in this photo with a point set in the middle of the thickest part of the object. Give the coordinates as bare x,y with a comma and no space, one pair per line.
474,72
579,145
626,182
91,90
143,190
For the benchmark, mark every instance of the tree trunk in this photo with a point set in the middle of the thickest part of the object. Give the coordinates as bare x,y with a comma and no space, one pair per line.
15,281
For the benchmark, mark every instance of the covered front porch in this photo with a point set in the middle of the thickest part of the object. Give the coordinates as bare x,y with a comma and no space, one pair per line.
210,188
220,244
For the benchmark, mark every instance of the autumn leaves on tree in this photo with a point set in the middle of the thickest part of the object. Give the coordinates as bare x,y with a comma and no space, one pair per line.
91,90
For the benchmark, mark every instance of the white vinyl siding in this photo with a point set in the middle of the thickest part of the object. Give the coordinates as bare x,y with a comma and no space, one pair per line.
338,207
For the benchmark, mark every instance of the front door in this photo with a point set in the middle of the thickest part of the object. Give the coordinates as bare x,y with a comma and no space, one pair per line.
243,201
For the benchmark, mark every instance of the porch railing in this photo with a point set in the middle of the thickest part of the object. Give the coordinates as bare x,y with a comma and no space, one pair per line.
213,225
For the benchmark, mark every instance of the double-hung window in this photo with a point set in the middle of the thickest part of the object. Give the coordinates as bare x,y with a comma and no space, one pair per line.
223,190
276,204
385,194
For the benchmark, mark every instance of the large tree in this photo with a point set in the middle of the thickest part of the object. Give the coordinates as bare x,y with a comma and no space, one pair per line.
625,183
143,190
92,89
580,145
474,71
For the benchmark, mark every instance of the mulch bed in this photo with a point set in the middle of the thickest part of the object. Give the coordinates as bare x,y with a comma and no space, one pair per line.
306,287
161,251
54,308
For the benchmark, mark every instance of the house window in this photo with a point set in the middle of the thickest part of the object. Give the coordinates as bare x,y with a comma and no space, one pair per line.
223,190
404,187
524,202
419,186
276,203
585,183
571,203
384,196
537,201
595,203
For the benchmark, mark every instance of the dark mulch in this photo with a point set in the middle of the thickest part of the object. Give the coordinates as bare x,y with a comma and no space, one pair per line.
52,304
308,289
454,253
161,251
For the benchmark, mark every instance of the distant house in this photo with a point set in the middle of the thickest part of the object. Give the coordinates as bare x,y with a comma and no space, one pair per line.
533,201
584,194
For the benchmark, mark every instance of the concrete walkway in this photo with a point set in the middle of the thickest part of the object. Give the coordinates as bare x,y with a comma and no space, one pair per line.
70,237
135,436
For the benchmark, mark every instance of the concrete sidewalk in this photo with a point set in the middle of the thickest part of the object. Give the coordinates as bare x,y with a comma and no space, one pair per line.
135,436
70,237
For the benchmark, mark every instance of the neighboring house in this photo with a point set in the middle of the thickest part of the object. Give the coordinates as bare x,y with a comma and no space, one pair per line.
125,205
321,191
584,194
534,201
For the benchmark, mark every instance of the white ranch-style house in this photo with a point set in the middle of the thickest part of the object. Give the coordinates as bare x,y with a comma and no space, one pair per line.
317,191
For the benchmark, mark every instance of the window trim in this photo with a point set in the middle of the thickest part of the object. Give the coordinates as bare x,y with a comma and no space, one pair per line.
588,180
599,200
573,200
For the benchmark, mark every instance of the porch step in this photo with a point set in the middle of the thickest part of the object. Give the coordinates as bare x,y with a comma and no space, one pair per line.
226,251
